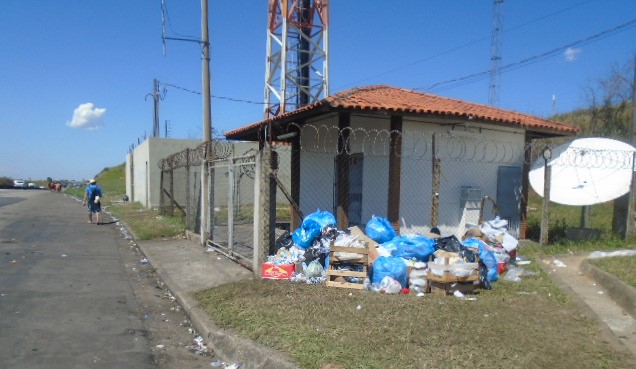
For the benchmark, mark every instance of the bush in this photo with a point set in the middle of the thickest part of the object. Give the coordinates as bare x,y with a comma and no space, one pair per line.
6,182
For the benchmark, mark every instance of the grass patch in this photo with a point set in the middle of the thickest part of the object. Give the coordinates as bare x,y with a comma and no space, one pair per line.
565,216
622,267
145,223
516,325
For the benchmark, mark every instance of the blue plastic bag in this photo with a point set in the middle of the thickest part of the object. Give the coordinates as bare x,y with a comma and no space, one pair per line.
305,235
411,247
389,266
324,218
490,260
380,230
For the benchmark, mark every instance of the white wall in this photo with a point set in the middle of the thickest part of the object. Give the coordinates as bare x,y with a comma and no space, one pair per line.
146,171
467,159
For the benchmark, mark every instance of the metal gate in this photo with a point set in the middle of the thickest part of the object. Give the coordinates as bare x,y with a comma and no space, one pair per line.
232,207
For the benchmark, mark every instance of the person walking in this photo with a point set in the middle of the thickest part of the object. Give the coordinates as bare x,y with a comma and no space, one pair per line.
92,198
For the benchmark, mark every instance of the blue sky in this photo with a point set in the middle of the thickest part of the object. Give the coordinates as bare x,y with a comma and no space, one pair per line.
74,74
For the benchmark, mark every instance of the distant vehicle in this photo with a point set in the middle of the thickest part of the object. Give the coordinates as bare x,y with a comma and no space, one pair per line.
31,185
18,183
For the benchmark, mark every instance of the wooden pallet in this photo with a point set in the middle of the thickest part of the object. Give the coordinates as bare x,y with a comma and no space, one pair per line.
336,278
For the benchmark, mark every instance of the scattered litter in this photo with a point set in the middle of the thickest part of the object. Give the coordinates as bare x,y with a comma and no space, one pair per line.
603,254
515,273
600,292
420,294
459,295
144,261
63,255
359,307
559,263
217,363
160,346
199,347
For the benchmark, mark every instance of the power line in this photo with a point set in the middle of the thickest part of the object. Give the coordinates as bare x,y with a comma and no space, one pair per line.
470,43
456,82
214,96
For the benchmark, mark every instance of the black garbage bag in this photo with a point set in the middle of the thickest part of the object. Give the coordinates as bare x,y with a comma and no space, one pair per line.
314,253
468,255
283,241
449,243
484,282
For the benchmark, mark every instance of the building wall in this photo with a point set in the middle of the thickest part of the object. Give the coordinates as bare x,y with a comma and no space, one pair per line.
469,165
468,162
146,173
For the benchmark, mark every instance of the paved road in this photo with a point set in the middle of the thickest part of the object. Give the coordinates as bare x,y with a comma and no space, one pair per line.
65,300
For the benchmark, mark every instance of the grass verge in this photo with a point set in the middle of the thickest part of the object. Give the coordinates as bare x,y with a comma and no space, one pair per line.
145,223
623,268
527,324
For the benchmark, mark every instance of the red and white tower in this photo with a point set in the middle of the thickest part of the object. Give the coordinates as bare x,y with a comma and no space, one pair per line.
297,67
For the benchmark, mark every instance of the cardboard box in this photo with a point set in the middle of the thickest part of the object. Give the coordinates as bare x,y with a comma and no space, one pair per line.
371,245
443,289
277,271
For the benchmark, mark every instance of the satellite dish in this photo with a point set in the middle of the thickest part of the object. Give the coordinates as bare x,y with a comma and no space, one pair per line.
586,171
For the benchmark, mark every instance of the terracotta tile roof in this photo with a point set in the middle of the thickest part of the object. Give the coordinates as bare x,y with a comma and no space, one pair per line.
400,100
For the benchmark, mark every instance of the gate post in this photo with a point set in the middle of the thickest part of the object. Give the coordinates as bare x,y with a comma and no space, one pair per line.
265,209
545,215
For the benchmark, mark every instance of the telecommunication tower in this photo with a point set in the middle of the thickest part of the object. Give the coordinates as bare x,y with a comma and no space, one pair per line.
297,67
495,58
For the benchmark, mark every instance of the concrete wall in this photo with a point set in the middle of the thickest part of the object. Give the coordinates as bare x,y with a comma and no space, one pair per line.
142,170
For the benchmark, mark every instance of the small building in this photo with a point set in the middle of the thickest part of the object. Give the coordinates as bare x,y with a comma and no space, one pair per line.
418,159
143,174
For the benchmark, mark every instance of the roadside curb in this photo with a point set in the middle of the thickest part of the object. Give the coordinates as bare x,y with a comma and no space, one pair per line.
225,344
619,291
606,331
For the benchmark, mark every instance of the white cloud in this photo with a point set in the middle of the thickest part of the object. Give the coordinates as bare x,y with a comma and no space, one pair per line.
571,54
87,116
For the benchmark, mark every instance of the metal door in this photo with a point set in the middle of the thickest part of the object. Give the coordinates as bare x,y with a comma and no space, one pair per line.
509,194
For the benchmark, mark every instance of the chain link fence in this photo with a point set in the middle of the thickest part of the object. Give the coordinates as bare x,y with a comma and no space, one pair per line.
452,179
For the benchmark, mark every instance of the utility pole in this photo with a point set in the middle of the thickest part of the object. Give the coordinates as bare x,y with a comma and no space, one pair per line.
623,220
155,101
629,232
207,124
155,97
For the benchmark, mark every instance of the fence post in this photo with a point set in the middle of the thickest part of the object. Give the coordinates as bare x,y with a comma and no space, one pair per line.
545,215
258,213
267,207
171,191
437,171
395,172
188,208
230,207
162,201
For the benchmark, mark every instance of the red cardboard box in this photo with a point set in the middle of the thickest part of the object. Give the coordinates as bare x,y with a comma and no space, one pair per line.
277,271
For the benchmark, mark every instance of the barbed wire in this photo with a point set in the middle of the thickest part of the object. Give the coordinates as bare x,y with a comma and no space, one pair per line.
217,150
416,145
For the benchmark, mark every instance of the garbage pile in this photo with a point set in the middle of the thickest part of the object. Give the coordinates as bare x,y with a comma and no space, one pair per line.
380,260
